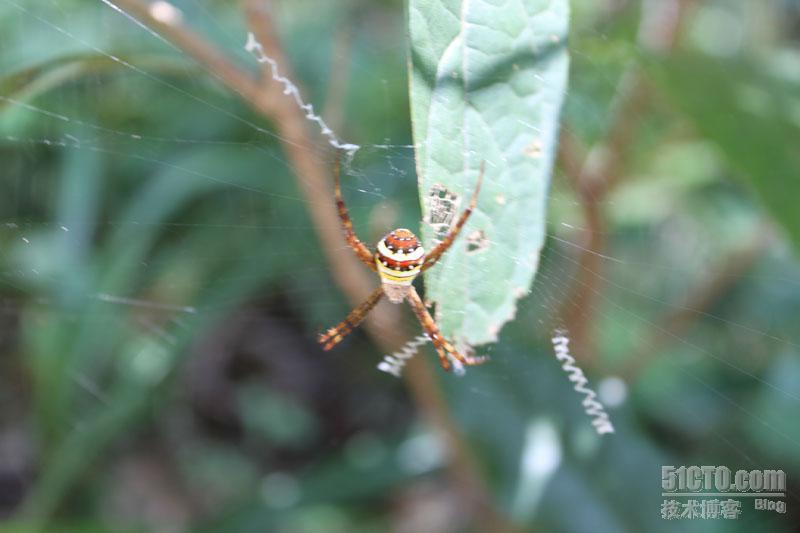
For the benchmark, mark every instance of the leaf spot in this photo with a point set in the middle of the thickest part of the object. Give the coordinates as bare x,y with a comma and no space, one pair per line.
534,149
441,207
165,13
477,241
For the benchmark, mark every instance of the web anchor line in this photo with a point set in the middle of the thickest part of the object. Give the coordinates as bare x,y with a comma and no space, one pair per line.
257,50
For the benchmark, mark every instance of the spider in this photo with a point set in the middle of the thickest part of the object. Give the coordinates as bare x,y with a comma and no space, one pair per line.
398,259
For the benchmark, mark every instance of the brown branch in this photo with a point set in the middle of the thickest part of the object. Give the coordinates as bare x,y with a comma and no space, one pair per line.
193,44
571,155
313,176
603,167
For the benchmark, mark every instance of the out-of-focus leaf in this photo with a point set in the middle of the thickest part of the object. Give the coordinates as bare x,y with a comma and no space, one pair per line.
487,84
102,334
539,459
772,406
274,417
751,116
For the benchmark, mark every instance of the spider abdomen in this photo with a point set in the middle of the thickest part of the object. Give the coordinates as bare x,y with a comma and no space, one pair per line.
399,258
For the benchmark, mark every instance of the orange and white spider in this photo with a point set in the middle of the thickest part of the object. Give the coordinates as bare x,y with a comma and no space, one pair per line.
398,259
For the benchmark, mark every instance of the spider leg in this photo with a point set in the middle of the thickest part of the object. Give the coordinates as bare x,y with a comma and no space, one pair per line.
442,345
355,243
334,336
434,255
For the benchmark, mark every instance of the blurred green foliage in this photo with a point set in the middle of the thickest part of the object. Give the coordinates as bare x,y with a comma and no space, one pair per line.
161,286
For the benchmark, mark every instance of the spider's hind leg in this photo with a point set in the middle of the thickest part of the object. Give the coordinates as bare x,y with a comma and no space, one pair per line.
442,345
334,336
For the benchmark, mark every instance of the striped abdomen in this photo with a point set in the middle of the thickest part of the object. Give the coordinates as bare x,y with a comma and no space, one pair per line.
399,258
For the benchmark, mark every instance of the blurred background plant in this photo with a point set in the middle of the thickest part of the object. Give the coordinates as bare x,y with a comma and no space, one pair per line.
162,277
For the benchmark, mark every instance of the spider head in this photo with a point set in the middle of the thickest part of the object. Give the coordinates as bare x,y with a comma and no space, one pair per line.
399,258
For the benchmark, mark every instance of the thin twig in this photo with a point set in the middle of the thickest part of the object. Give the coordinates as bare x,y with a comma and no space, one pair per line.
594,174
313,176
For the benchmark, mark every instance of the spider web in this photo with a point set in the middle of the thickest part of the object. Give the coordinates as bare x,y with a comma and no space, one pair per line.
147,256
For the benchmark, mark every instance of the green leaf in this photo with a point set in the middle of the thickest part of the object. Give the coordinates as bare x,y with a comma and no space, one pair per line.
487,83
752,118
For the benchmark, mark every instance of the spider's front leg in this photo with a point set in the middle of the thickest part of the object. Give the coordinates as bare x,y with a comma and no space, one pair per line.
355,243
334,336
442,345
